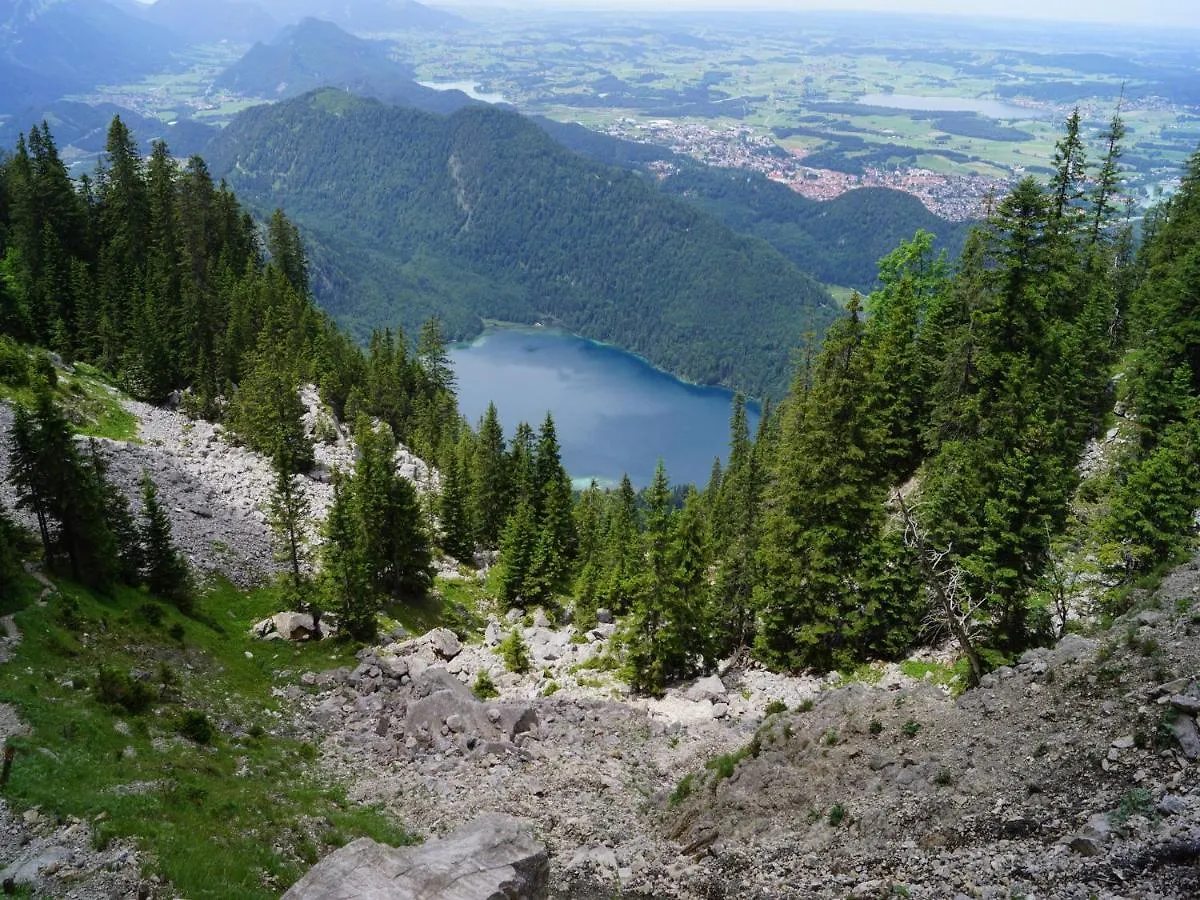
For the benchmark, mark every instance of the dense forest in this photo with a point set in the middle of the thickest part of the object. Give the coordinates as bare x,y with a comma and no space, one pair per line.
482,214
920,480
838,241
150,271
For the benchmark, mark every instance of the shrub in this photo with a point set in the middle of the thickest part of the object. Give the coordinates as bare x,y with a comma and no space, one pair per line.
775,707
484,687
683,790
514,652
118,690
876,727
943,777
151,613
195,726
837,813
830,737
911,728
806,705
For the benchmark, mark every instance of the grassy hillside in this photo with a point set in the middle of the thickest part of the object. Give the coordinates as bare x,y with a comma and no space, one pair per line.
161,728
482,214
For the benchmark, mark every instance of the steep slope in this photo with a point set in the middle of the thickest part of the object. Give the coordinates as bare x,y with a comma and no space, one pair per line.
837,241
481,214
316,54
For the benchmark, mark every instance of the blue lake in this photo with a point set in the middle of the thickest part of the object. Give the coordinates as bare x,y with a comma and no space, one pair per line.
994,109
613,411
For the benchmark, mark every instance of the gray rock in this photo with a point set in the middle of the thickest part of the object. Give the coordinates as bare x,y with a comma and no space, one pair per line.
604,616
1071,648
1084,845
710,688
1172,805
1185,731
493,635
444,642
1186,703
26,869
493,858
1149,617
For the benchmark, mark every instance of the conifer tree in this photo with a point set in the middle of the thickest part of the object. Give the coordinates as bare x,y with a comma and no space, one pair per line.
518,547
290,511
589,527
347,585
489,481
167,574
824,511
453,512
623,549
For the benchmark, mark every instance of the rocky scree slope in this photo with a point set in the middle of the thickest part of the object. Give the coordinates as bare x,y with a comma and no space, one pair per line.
216,492
1071,775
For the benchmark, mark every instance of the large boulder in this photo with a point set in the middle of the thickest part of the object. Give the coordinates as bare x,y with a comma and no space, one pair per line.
493,858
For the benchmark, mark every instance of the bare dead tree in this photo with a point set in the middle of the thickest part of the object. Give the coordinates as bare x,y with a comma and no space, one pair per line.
953,607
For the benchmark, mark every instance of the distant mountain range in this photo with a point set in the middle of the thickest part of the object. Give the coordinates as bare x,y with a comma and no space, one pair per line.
53,47
204,21
364,16
481,214
315,54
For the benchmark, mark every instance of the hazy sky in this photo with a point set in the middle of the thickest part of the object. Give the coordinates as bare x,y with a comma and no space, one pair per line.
1172,13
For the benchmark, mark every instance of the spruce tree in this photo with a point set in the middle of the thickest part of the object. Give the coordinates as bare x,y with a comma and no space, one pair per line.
489,482
290,511
166,572
457,534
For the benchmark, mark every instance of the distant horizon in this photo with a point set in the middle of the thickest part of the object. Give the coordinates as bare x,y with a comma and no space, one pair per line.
1182,14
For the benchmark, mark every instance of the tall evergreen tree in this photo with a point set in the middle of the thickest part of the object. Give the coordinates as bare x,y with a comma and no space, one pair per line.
167,574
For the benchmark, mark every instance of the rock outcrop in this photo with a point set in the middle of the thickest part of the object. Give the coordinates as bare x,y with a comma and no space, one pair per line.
493,858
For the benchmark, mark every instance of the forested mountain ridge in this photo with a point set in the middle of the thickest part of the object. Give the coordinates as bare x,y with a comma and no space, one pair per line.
481,214
838,241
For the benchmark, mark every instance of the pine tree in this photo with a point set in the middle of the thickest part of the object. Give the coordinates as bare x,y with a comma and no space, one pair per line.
589,527
1108,179
347,585
623,550
517,549
1067,184
167,574
825,508
453,512
489,481
290,511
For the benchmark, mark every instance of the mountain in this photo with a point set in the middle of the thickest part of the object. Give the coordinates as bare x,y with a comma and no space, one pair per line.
836,241
210,21
84,126
482,214
366,15
315,54
74,45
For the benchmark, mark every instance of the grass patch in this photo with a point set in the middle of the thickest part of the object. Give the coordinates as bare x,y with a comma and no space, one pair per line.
212,751
954,677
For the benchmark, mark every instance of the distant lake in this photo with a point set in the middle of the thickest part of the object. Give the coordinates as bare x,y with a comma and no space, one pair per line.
991,108
467,87
614,413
